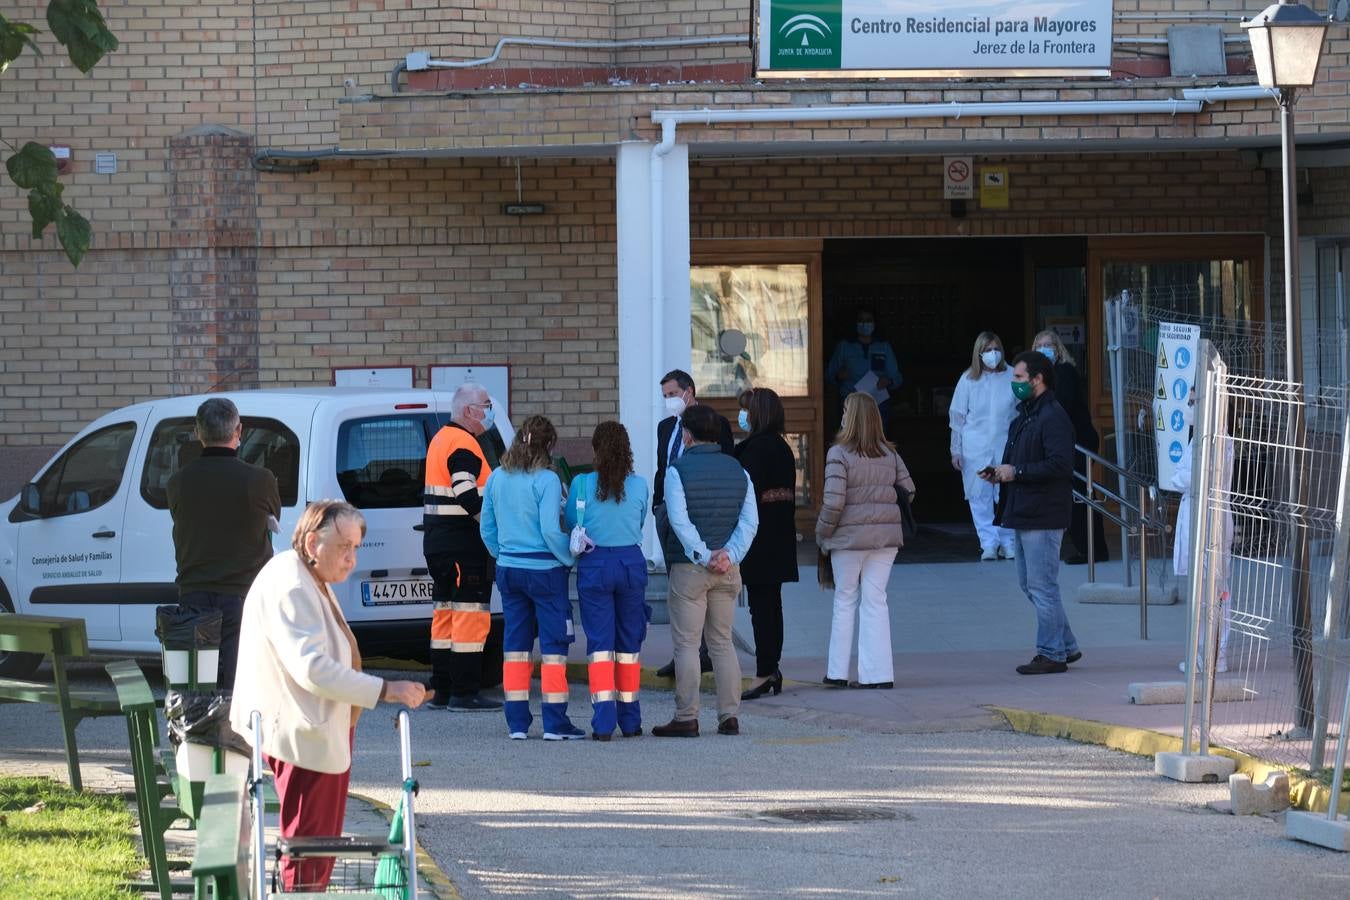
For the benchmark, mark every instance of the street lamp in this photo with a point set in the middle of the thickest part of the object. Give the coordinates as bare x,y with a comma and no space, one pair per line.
1286,40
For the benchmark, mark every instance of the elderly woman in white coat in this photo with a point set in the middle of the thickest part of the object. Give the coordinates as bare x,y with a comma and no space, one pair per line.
1181,547
983,406
300,668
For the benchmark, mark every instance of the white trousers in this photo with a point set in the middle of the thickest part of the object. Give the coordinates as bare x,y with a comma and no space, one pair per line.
981,502
860,578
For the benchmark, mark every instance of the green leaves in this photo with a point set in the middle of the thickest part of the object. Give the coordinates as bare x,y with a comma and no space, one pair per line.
14,36
32,166
34,169
79,25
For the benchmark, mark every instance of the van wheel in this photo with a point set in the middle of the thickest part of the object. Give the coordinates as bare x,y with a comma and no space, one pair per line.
15,665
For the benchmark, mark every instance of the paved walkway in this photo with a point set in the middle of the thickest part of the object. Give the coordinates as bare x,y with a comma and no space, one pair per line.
919,791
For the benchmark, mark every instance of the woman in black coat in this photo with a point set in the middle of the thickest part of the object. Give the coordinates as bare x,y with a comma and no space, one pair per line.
1070,393
772,559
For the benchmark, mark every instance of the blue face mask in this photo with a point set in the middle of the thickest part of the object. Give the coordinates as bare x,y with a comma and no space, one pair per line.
865,329
1048,352
743,420
489,416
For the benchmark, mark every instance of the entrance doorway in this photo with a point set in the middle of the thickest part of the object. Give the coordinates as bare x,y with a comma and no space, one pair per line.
930,298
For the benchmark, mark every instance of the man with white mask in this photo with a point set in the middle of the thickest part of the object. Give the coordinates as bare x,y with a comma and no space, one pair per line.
678,394
982,407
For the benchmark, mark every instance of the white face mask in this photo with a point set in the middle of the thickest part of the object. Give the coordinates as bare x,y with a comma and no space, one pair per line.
991,358
675,405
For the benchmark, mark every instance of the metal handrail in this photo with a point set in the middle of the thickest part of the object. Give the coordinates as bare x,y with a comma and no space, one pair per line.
1134,519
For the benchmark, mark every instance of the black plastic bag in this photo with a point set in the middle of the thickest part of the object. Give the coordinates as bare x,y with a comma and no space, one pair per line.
202,719
184,628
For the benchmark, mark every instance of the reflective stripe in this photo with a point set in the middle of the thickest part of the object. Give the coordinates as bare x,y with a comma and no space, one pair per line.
556,698
625,658
458,606
554,659
444,510
518,695
628,676
439,644
601,676
516,656
628,696
467,647
602,656
602,696
437,490
553,679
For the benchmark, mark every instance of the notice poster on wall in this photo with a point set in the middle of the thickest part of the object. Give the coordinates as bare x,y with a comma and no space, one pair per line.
1178,346
904,39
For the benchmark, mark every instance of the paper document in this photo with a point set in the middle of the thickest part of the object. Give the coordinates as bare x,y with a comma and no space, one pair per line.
868,385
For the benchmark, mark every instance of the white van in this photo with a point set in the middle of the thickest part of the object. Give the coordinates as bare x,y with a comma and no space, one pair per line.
91,536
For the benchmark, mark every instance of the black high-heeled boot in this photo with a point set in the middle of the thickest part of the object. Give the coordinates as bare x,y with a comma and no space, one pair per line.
773,683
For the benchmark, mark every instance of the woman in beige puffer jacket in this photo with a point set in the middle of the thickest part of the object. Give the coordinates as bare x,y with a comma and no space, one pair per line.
859,526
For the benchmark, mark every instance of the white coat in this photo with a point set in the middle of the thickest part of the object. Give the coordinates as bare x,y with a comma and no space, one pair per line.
1181,548
295,667
981,411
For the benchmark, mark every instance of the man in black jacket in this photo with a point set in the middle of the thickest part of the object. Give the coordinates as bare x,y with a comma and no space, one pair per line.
1036,502
223,511
678,394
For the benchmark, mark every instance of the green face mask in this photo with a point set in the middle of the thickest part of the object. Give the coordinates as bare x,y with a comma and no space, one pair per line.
1023,390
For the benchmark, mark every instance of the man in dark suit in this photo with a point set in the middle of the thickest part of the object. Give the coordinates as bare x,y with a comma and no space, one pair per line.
678,392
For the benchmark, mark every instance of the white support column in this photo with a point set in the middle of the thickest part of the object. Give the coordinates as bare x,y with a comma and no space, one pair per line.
654,333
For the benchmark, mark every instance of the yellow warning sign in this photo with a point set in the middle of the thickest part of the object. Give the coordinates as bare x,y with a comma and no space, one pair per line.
1162,389
1162,356
1161,427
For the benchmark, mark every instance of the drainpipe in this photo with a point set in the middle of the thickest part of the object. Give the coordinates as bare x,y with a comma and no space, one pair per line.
657,211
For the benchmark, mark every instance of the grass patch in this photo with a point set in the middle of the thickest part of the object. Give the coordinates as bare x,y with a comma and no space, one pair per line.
78,846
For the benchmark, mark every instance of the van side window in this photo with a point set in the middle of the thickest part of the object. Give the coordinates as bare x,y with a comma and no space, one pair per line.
266,443
381,461
88,474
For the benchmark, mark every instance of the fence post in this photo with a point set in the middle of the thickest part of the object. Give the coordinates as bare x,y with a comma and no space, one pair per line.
1143,563
1115,319
1091,514
1335,602
1204,389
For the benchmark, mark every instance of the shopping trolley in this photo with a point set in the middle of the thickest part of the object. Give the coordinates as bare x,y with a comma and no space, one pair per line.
373,866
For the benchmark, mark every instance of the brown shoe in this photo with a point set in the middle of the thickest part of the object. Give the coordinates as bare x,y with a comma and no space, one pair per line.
677,728
729,726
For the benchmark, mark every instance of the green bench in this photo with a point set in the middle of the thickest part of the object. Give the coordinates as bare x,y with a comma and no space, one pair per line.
61,639
152,768
220,866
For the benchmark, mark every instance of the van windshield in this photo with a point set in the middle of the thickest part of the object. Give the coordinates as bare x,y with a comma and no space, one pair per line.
381,461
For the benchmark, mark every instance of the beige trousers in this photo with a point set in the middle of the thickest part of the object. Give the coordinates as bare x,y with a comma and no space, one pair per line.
702,602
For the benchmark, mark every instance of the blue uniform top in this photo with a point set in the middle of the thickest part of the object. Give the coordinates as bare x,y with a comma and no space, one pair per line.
610,523
521,520
857,360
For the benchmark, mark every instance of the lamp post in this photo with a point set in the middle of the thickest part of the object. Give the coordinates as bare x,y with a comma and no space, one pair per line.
1286,39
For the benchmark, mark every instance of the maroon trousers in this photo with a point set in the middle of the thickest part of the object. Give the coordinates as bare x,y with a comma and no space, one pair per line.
313,804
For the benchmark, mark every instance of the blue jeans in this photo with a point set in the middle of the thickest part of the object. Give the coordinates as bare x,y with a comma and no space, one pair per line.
1038,576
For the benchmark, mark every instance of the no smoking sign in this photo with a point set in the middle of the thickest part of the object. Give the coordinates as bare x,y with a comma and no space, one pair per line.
958,182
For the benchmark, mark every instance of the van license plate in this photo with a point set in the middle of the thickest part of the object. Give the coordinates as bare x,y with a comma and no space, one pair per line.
387,593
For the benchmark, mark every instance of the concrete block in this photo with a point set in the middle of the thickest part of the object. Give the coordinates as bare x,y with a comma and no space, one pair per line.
1111,592
1316,828
1153,693
1248,799
1193,769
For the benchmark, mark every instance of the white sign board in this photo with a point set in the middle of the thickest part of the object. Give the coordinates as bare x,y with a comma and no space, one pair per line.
497,380
1178,347
908,39
375,376
958,178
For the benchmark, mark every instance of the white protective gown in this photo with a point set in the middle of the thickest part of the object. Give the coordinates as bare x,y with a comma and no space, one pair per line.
981,411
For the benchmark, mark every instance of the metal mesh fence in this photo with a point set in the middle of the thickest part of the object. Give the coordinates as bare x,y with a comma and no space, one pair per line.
1270,561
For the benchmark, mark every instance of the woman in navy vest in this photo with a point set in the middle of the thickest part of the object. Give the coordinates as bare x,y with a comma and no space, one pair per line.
772,559
611,504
